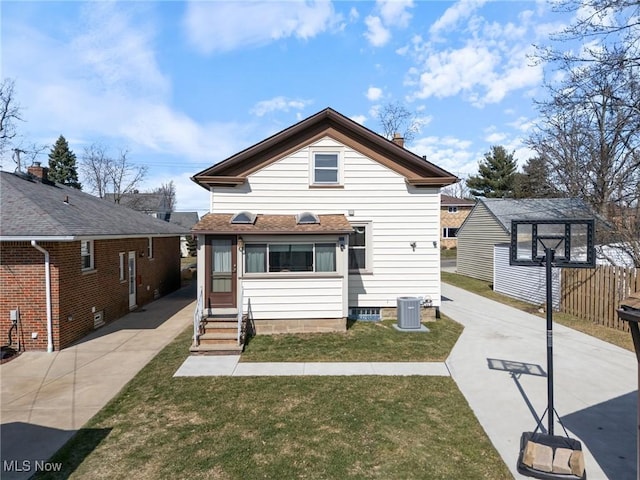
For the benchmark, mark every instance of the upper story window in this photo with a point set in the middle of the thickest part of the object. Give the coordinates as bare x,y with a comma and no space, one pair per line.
449,232
326,168
453,209
150,248
86,254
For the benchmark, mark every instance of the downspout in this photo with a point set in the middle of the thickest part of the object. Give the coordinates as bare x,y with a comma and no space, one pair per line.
47,276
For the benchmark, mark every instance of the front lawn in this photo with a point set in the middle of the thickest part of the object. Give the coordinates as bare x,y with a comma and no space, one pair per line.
362,342
280,428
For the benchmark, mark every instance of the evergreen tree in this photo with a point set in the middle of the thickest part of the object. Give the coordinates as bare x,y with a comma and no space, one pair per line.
535,180
496,175
62,164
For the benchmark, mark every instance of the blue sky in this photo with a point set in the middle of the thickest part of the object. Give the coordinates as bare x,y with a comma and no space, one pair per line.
183,85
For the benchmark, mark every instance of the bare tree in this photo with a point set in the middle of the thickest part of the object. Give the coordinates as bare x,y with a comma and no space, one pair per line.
589,128
396,118
104,174
168,192
9,114
458,189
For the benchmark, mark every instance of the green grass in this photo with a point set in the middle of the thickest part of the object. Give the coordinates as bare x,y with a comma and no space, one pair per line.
280,428
616,337
362,342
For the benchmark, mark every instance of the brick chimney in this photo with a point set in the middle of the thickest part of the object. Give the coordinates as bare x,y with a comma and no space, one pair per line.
398,139
37,170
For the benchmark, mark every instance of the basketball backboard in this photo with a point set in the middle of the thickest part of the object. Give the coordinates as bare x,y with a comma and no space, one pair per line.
570,239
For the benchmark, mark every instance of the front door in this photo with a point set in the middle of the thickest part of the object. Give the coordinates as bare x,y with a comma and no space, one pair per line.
222,271
132,281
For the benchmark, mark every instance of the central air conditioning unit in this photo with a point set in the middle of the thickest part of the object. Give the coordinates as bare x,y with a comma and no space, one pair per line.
408,312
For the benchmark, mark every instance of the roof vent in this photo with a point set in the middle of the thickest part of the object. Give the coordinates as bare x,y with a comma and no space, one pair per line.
244,218
306,218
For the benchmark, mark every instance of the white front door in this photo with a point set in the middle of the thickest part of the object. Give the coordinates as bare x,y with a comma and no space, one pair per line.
132,281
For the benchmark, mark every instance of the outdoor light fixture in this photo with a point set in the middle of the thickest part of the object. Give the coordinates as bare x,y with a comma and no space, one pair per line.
241,244
413,245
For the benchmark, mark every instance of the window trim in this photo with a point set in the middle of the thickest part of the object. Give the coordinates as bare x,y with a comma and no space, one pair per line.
313,272
91,255
122,264
150,248
445,232
339,167
368,247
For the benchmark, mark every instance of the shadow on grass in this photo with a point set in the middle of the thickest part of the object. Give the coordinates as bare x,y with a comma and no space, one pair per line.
26,449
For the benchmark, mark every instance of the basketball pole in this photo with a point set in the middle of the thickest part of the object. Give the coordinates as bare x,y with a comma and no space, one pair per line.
548,254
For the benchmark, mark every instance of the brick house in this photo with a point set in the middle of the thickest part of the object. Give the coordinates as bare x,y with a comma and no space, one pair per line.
453,212
70,261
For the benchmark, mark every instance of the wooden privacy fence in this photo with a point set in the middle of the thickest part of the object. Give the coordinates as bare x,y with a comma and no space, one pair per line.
595,294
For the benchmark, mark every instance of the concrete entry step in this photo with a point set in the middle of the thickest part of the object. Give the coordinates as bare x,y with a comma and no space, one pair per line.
216,349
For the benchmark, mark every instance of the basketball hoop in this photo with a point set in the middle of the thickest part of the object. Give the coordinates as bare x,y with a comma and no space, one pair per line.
564,243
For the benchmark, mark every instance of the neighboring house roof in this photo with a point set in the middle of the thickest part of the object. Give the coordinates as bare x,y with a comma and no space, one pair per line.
32,209
220,223
142,202
449,201
235,169
505,210
184,219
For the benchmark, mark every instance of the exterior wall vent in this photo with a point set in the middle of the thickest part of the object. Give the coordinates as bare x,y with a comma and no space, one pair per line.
98,319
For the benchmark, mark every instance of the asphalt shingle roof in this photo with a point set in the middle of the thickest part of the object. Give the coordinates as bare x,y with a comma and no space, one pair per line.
30,207
276,224
506,210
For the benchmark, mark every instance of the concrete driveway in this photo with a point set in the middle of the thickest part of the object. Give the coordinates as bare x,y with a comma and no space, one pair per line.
499,364
47,397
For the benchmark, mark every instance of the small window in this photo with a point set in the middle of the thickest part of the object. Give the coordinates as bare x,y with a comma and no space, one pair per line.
359,245
122,265
244,217
453,209
325,168
449,232
150,248
307,218
291,258
86,253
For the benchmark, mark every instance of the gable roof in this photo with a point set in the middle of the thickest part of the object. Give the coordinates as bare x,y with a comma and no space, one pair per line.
33,209
141,201
235,169
504,210
184,219
273,224
449,201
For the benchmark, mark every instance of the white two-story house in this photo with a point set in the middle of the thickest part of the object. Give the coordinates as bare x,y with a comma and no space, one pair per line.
322,221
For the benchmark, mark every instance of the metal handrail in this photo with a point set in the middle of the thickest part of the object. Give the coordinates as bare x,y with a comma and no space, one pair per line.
240,310
197,318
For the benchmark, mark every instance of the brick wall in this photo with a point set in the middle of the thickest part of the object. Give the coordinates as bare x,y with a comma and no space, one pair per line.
76,295
453,220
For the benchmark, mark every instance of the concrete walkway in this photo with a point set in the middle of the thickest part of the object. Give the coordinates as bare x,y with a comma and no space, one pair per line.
230,366
499,364
47,397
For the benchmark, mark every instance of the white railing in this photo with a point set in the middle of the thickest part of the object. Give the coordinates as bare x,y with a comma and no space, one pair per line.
197,318
240,310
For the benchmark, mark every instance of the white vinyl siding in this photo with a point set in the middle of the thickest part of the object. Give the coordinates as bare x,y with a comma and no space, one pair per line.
528,284
398,214
294,298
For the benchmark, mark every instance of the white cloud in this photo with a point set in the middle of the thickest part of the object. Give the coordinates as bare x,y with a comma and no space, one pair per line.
361,119
225,26
454,14
453,154
388,13
495,138
104,84
377,35
278,104
394,12
374,94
